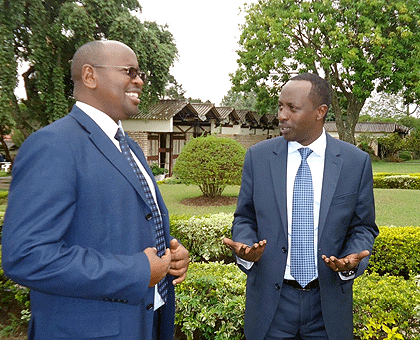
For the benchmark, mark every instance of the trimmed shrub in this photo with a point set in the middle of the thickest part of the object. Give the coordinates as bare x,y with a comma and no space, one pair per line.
203,235
212,163
396,252
396,181
211,303
386,307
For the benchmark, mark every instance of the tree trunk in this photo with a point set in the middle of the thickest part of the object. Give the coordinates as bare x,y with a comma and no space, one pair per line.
346,123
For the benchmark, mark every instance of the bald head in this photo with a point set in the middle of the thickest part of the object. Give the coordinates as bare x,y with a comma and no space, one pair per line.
93,53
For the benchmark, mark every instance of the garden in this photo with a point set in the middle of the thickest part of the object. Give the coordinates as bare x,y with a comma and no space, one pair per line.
211,302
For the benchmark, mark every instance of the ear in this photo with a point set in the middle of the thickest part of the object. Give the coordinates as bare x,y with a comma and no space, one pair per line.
321,111
88,76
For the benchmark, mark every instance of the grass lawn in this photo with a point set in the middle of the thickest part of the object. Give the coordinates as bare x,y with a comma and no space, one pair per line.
404,168
393,206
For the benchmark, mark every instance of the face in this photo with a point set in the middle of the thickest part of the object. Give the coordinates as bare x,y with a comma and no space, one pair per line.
299,120
116,93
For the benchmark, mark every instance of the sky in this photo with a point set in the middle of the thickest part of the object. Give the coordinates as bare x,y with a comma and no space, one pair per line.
206,34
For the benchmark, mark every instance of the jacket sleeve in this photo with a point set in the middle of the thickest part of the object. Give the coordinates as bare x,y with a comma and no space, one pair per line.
42,203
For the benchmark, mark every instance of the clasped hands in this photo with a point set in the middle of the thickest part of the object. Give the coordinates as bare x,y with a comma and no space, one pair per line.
254,253
174,262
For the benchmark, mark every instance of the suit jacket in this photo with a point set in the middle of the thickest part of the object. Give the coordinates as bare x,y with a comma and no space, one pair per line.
346,225
74,233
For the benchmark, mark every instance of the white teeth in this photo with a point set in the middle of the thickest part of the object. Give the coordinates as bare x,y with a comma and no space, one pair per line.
132,94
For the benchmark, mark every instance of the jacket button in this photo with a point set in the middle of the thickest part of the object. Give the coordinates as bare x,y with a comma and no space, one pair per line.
149,217
283,249
277,286
150,306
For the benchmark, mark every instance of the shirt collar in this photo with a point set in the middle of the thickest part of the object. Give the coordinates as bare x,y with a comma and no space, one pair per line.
105,122
318,146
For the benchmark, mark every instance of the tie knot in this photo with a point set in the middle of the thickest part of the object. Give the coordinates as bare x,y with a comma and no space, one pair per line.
305,152
119,136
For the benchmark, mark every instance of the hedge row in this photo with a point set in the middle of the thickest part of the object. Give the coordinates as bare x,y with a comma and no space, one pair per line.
396,181
211,305
396,251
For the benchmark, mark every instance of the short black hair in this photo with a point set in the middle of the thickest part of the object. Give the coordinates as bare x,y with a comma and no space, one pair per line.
320,91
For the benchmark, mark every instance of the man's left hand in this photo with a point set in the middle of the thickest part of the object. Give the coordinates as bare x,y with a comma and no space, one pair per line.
345,264
180,259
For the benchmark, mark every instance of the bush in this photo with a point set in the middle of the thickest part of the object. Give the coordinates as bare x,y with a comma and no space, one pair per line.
13,298
405,155
386,306
203,235
212,163
156,170
396,252
396,181
211,303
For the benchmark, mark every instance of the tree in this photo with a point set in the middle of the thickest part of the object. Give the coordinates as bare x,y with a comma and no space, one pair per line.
358,45
45,35
240,100
212,163
388,105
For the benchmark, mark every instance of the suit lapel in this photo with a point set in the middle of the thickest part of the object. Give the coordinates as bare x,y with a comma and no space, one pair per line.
332,170
108,149
278,167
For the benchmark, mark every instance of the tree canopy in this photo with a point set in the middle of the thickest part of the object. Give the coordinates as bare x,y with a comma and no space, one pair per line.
357,45
45,35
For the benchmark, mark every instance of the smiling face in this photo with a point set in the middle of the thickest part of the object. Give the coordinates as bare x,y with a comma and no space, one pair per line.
299,119
117,93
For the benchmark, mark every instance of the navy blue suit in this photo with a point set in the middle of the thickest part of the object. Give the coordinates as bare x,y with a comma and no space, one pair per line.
346,226
74,233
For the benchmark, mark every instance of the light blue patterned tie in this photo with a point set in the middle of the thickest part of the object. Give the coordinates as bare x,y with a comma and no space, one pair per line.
160,238
302,257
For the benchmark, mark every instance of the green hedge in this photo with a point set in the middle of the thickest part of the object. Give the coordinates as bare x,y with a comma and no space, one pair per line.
211,305
385,306
396,252
396,181
203,235
211,302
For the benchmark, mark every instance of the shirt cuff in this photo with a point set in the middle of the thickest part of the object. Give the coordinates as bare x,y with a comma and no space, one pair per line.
246,264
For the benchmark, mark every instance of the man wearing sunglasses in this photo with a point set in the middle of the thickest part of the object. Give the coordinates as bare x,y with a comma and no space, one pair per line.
86,228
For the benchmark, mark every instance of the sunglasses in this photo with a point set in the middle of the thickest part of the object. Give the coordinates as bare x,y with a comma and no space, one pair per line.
132,72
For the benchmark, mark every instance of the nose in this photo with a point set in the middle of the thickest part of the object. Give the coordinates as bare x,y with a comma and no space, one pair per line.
138,81
282,115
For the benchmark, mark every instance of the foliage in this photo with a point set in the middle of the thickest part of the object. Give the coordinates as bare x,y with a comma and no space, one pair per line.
396,252
157,170
45,34
386,307
359,46
396,181
240,100
211,302
212,163
12,294
412,143
388,105
203,235
390,144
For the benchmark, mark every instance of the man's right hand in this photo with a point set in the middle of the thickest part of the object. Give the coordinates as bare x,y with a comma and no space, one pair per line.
252,254
159,266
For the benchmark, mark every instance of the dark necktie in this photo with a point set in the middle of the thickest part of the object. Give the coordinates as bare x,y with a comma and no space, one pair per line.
302,257
160,238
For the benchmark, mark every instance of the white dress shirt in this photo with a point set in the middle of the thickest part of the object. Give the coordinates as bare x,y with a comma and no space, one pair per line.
109,127
316,162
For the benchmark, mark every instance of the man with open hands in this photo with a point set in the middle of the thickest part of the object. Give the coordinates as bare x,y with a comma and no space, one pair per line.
305,222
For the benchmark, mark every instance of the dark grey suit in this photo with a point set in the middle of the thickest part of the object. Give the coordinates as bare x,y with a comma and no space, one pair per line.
346,226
